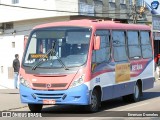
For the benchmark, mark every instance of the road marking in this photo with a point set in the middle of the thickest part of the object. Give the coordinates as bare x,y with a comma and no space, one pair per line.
133,107
90,118
11,109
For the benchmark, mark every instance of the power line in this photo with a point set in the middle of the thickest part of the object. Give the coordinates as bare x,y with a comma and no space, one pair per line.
18,31
36,8
56,10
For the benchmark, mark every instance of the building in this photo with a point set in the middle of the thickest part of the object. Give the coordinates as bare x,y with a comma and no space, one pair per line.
18,17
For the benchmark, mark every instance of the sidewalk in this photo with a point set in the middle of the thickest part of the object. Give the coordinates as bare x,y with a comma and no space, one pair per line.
10,100
157,78
157,81
8,84
3,87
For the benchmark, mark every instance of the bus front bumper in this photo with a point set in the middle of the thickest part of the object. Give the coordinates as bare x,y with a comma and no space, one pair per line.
74,96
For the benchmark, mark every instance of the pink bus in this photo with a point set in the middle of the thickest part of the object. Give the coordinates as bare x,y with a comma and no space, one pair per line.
85,62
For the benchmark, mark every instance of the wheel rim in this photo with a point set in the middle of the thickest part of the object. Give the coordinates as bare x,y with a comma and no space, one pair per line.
94,101
136,92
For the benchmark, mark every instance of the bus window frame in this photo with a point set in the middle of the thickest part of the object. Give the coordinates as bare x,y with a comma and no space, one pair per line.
125,39
139,43
149,32
95,63
100,44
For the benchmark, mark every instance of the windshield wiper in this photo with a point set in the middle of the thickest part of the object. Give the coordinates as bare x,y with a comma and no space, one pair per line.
60,61
52,51
41,59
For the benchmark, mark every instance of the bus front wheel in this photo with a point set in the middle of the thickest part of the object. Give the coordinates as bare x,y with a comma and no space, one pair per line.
95,102
35,107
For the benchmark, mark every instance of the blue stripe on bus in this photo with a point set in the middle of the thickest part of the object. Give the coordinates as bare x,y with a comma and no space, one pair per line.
148,83
114,91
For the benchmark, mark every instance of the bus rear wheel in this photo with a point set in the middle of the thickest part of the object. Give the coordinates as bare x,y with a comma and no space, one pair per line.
35,107
134,97
95,102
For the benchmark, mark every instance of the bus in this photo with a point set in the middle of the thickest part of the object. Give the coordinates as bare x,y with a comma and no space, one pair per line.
85,62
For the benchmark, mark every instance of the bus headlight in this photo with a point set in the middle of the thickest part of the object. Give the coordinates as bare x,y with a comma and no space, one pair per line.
77,82
24,82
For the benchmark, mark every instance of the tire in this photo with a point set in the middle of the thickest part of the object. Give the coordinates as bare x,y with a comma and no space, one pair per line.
35,107
135,97
95,102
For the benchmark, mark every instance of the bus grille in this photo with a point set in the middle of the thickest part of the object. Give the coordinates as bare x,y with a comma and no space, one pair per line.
44,85
50,96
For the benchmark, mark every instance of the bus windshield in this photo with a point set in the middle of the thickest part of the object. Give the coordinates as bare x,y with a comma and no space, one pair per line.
57,47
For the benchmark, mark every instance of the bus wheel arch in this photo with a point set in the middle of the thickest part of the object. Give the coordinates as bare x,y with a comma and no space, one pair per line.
99,91
95,99
135,96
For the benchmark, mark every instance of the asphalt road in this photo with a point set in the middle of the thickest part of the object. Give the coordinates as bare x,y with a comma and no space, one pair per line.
111,109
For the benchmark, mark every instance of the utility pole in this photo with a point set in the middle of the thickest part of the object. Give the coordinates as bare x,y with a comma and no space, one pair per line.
134,11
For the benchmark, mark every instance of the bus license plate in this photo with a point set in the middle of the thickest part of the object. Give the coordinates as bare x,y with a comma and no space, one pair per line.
49,101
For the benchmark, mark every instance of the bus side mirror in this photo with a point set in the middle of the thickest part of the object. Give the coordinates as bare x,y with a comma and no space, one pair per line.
97,41
25,41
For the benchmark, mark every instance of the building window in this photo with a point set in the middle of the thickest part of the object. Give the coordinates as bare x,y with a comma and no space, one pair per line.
111,0
122,1
86,9
112,4
15,1
130,2
140,3
123,4
8,26
2,69
82,1
98,6
13,45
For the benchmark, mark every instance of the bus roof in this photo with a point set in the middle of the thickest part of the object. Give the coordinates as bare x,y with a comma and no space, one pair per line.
96,24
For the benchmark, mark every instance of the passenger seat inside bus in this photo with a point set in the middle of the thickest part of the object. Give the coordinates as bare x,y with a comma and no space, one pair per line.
74,49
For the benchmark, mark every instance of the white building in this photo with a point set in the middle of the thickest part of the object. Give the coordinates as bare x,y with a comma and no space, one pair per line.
16,22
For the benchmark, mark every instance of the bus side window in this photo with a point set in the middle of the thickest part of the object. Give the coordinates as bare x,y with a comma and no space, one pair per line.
103,54
146,45
133,45
119,46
